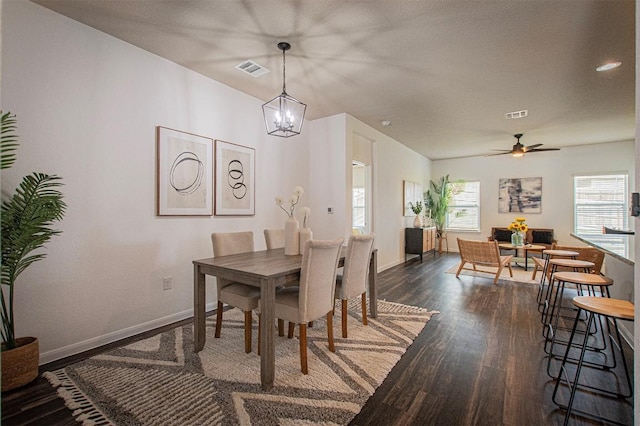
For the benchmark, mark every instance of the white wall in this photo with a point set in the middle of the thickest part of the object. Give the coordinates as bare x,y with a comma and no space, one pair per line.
556,168
392,164
87,106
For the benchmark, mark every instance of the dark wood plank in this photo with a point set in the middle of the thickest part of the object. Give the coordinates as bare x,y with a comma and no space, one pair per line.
480,361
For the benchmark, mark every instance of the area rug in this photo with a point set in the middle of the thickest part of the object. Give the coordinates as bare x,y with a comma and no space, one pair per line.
161,381
519,274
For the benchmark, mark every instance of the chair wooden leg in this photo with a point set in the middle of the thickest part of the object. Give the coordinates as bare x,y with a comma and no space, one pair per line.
332,347
495,280
462,263
218,319
303,349
259,328
290,331
364,308
247,331
344,319
310,324
280,327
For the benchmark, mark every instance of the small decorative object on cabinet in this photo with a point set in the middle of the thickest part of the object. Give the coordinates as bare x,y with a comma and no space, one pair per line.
419,240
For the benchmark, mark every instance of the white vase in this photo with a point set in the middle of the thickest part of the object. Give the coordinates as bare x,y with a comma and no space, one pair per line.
417,221
291,238
305,235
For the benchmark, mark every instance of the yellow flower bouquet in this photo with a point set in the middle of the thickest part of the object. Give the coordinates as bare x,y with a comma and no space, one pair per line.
519,229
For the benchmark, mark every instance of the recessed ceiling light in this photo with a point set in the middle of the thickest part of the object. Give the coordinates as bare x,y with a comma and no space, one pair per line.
608,66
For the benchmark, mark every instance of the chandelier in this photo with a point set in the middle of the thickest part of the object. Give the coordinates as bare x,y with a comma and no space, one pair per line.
284,114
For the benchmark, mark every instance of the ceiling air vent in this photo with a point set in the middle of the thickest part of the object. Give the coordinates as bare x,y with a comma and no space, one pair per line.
252,68
516,114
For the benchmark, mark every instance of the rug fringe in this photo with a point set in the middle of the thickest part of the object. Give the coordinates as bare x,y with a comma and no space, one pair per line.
83,409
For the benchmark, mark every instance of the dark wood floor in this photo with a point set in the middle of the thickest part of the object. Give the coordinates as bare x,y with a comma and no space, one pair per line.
479,362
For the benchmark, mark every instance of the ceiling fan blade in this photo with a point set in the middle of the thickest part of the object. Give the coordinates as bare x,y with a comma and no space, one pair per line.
544,149
530,147
499,153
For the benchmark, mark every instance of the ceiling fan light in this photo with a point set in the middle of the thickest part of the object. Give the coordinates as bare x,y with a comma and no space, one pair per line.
608,66
518,154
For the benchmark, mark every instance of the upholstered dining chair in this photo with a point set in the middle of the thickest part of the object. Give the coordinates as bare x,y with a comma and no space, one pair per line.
313,298
353,280
241,296
274,238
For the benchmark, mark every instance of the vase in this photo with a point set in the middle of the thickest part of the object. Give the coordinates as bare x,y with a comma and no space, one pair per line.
517,239
20,365
291,238
305,235
417,221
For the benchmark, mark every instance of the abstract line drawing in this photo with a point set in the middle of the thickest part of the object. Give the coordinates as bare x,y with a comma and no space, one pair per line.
520,195
184,173
235,179
235,174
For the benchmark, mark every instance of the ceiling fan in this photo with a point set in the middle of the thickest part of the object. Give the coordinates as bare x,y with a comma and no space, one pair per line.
519,150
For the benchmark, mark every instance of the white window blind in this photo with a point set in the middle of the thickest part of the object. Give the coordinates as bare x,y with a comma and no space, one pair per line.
464,212
601,200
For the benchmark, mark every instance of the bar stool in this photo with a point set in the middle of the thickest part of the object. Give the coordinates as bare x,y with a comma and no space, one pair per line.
593,283
612,309
547,255
574,264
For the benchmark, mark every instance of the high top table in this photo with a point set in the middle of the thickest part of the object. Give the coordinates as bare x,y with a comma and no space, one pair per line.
267,270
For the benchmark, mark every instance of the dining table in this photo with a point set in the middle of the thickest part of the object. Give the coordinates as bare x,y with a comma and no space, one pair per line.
267,270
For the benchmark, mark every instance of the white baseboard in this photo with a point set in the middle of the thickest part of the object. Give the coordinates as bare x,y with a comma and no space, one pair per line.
76,348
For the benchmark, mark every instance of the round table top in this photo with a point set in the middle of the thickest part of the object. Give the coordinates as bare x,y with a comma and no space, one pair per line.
510,246
616,308
566,253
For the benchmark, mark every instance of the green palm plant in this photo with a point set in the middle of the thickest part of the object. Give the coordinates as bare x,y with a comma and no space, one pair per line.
27,219
437,199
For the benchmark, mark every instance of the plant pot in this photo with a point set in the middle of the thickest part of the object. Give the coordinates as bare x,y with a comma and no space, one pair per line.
20,365
305,235
291,238
417,221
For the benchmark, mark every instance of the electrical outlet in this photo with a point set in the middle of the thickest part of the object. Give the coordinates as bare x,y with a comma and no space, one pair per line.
167,282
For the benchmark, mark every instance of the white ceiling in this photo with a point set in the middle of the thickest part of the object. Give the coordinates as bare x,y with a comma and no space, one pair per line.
444,72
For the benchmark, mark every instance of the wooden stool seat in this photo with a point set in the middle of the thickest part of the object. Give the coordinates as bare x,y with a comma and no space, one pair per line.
583,278
572,263
564,253
614,308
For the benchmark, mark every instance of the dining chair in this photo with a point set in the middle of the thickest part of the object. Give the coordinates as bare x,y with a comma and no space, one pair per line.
241,296
274,238
355,275
313,298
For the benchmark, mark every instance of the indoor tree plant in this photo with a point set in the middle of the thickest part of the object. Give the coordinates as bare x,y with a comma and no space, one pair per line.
27,219
437,199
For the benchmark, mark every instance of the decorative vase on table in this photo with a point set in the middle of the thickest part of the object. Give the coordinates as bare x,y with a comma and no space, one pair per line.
291,237
305,235
517,239
417,221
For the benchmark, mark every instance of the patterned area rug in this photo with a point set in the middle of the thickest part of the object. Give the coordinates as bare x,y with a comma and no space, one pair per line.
519,274
161,381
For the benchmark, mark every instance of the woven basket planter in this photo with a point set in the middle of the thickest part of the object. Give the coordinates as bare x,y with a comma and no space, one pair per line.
20,365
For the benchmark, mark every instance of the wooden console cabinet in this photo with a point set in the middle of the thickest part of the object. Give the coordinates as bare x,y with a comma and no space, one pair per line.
419,241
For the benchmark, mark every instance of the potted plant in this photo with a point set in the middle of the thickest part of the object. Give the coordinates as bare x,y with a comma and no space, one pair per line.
417,209
437,199
27,219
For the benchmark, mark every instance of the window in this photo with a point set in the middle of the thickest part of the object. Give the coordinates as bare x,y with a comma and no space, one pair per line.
601,200
464,212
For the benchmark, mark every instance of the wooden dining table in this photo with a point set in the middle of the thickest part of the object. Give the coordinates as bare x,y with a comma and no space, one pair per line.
267,269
